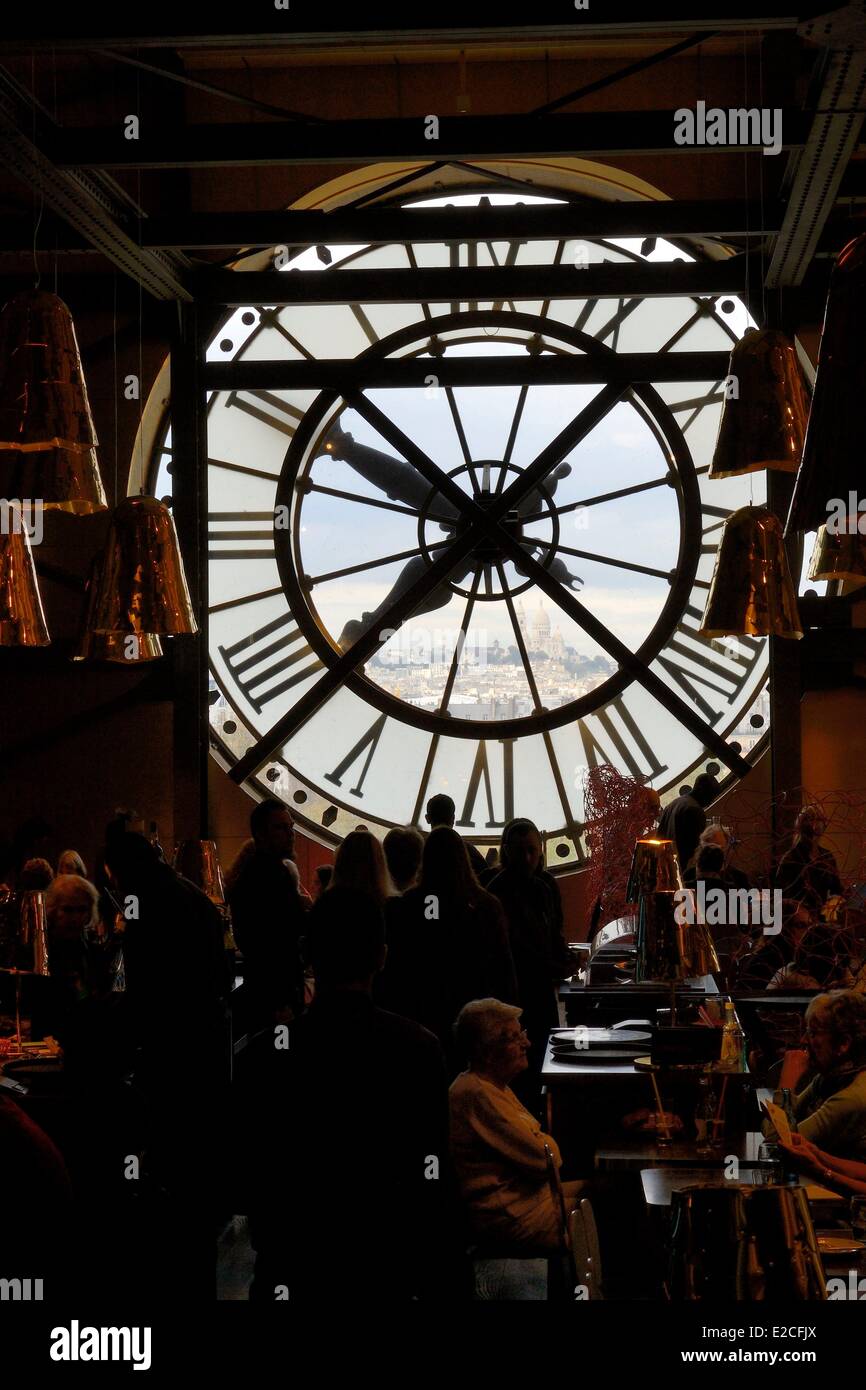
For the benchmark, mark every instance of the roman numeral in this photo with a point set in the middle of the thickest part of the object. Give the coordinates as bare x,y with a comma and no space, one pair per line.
253,669
714,660
268,407
710,525
248,530
481,770
369,742
624,737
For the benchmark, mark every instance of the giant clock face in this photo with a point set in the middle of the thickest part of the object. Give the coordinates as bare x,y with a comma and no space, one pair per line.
480,588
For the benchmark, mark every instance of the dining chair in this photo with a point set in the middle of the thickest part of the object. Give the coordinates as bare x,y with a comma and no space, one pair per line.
585,1250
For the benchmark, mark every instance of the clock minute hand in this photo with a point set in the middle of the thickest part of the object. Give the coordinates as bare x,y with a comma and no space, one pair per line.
396,478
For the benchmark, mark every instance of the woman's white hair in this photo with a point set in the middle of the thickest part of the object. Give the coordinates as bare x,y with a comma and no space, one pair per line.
70,862
480,1025
72,885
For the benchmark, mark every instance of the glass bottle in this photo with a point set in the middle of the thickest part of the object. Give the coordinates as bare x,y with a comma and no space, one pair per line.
733,1041
705,1112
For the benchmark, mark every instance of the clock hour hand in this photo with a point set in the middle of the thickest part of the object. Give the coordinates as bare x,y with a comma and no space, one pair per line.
411,571
397,479
534,501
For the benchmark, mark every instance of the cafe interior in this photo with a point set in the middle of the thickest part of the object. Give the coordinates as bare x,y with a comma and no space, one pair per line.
477,914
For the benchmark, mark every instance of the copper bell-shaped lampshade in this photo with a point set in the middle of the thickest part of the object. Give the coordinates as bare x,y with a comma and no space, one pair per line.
835,445
120,648
33,934
764,424
840,556
669,949
47,439
140,585
22,621
655,867
752,594
198,861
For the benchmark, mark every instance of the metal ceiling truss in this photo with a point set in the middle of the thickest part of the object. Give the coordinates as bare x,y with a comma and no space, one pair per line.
216,27
471,284
91,203
815,174
391,140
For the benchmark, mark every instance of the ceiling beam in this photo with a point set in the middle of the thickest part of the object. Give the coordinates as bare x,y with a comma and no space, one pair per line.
170,25
589,221
392,140
815,174
470,284
560,369
91,204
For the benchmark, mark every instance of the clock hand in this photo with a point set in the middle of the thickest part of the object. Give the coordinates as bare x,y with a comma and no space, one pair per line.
396,478
535,501
411,571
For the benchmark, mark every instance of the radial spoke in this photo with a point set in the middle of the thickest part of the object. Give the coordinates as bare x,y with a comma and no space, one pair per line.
371,564
461,435
512,435
600,497
521,645
458,650
618,564
628,660
376,502
246,598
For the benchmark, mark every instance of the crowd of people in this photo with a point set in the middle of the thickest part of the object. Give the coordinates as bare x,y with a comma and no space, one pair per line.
395,1018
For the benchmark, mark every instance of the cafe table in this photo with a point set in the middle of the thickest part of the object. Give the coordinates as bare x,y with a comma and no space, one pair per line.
640,1152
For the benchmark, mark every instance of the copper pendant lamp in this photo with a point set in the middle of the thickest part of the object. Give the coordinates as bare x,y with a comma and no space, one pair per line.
764,425
120,648
670,950
840,556
140,585
33,934
198,861
655,867
47,438
835,445
752,594
22,621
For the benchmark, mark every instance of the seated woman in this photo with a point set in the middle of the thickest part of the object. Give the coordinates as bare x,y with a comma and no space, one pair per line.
844,1174
497,1146
717,836
831,1109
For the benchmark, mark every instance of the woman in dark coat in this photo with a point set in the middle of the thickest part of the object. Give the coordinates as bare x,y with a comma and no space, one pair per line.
447,942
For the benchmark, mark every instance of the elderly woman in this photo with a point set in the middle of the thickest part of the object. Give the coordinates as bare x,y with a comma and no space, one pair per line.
72,909
716,835
830,1111
70,862
497,1146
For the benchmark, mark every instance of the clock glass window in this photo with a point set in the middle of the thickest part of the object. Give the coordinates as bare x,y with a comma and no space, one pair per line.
518,548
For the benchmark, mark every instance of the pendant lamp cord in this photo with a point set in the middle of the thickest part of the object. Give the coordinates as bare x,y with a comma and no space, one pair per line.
116,400
37,275
142,481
